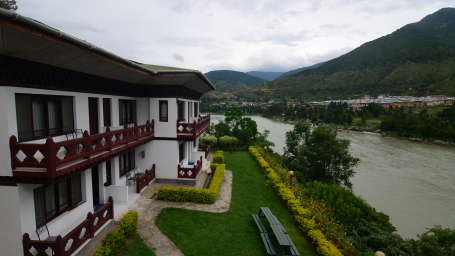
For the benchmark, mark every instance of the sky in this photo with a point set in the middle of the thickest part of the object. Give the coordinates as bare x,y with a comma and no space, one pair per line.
243,35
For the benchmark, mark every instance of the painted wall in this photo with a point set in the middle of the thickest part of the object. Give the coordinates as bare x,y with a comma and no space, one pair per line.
10,234
165,154
164,129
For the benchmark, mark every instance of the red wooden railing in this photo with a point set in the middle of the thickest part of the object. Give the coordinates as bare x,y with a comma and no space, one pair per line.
189,173
66,245
144,179
58,158
192,130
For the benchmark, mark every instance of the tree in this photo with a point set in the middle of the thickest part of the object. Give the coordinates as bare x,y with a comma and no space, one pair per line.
318,154
8,4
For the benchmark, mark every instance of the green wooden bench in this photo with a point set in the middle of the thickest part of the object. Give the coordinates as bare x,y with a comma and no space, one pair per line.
284,244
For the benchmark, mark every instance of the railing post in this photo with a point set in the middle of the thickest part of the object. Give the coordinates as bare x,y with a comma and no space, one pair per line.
51,157
13,152
26,244
90,231
59,246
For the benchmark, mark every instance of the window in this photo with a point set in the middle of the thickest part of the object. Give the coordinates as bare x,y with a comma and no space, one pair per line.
181,111
163,111
40,116
107,112
127,161
196,109
127,110
53,199
181,152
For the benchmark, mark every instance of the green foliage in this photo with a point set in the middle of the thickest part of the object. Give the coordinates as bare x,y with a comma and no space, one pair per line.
228,142
208,141
408,123
218,158
188,194
436,241
8,4
128,223
319,155
114,241
229,80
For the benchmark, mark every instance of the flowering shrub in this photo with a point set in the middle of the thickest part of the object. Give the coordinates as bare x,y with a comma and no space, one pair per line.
303,216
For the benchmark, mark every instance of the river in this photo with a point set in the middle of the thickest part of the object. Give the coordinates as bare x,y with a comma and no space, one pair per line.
412,182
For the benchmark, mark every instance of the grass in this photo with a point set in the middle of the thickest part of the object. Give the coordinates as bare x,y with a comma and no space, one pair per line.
135,246
234,232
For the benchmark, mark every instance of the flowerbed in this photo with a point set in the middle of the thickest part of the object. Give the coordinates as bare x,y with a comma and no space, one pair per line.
195,195
303,216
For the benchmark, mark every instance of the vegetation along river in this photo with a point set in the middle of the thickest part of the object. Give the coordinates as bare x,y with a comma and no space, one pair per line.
412,182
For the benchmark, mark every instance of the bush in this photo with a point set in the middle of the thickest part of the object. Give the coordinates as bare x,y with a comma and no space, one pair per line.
436,241
218,158
208,141
116,240
186,194
228,142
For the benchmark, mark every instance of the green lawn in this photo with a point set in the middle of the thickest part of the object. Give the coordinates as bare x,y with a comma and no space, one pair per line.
234,232
135,246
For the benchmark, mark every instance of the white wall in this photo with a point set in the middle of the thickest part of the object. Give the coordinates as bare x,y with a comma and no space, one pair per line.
164,129
166,156
10,234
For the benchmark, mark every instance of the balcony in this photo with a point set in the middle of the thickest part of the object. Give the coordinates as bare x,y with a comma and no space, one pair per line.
53,159
186,172
190,131
66,245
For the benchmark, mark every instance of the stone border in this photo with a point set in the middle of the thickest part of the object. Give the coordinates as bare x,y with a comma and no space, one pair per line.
149,208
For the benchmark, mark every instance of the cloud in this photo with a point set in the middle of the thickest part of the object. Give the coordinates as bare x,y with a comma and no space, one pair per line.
270,35
178,57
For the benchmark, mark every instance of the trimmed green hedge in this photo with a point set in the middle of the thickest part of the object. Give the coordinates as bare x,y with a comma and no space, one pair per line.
218,158
195,195
116,240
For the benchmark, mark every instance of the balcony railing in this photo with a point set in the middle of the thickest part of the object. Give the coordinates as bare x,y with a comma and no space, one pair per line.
190,131
66,245
52,159
144,179
189,172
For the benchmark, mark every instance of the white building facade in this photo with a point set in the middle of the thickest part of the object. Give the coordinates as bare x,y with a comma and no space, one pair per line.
82,132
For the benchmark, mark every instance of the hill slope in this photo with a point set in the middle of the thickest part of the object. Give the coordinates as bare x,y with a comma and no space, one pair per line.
229,80
417,59
269,76
298,70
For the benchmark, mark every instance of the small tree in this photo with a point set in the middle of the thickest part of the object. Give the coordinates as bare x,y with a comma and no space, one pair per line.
318,155
8,4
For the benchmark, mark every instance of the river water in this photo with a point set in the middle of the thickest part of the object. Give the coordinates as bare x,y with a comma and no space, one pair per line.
412,182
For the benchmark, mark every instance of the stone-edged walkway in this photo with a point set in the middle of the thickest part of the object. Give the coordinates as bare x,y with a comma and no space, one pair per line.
149,209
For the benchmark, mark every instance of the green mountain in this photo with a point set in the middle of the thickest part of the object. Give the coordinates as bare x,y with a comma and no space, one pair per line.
229,80
298,70
269,76
417,59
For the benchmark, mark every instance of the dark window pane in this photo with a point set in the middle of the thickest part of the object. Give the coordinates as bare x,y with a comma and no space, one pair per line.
49,193
181,152
40,208
76,189
107,112
24,116
63,196
163,110
196,109
127,111
39,122
67,114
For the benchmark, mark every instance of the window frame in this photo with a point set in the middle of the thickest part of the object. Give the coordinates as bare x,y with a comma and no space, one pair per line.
131,111
163,118
45,99
41,191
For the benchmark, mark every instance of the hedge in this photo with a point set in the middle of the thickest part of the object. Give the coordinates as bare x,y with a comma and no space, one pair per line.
195,195
208,141
218,158
116,240
302,215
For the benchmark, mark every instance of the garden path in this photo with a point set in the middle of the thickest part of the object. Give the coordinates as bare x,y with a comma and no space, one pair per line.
149,208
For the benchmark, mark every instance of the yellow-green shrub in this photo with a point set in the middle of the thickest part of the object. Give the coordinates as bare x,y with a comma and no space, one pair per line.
218,158
115,240
302,216
195,195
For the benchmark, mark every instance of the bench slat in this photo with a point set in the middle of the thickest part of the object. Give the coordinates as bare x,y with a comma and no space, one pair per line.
268,244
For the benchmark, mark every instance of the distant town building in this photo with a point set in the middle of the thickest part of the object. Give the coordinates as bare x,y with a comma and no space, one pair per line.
393,101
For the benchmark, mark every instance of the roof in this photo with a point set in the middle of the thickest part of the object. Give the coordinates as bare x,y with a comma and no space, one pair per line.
28,39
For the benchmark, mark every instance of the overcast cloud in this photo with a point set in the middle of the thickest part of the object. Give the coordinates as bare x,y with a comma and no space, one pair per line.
244,35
